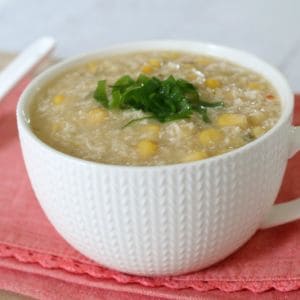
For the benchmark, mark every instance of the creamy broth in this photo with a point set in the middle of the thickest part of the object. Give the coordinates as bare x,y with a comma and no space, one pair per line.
65,115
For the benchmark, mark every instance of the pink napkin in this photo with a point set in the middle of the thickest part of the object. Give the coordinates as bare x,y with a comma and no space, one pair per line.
36,261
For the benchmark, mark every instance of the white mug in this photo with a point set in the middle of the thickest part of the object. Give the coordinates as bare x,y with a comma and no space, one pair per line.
163,220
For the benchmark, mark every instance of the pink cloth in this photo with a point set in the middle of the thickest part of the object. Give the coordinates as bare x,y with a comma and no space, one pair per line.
32,251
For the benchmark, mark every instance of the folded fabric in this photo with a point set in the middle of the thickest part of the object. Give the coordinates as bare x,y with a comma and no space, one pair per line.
30,245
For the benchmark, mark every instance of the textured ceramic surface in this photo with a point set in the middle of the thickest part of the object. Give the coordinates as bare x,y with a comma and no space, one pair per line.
166,219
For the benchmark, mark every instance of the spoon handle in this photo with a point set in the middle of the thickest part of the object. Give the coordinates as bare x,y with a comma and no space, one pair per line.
24,63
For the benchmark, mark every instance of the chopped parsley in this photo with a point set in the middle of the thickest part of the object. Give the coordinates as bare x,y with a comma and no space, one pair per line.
164,100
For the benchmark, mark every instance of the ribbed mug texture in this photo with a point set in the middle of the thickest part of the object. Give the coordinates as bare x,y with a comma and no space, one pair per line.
158,220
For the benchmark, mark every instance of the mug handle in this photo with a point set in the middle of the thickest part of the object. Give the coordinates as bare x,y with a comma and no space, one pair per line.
289,211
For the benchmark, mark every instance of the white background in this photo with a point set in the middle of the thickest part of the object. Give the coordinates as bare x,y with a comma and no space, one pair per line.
268,28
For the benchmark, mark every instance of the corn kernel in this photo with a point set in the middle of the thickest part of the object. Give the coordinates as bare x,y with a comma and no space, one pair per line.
147,69
256,118
210,136
232,120
58,99
154,63
257,131
147,148
255,86
197,155
92,67
212,83
97,115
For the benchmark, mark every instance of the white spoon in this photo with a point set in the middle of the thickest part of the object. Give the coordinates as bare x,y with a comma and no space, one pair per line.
24,63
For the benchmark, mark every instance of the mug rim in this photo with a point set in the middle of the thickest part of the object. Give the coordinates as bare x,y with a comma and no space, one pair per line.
52,72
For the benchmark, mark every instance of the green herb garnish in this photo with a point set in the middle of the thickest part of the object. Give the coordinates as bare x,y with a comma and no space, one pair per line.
164,100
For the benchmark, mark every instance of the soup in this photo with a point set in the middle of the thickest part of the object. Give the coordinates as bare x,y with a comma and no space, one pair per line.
154,108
